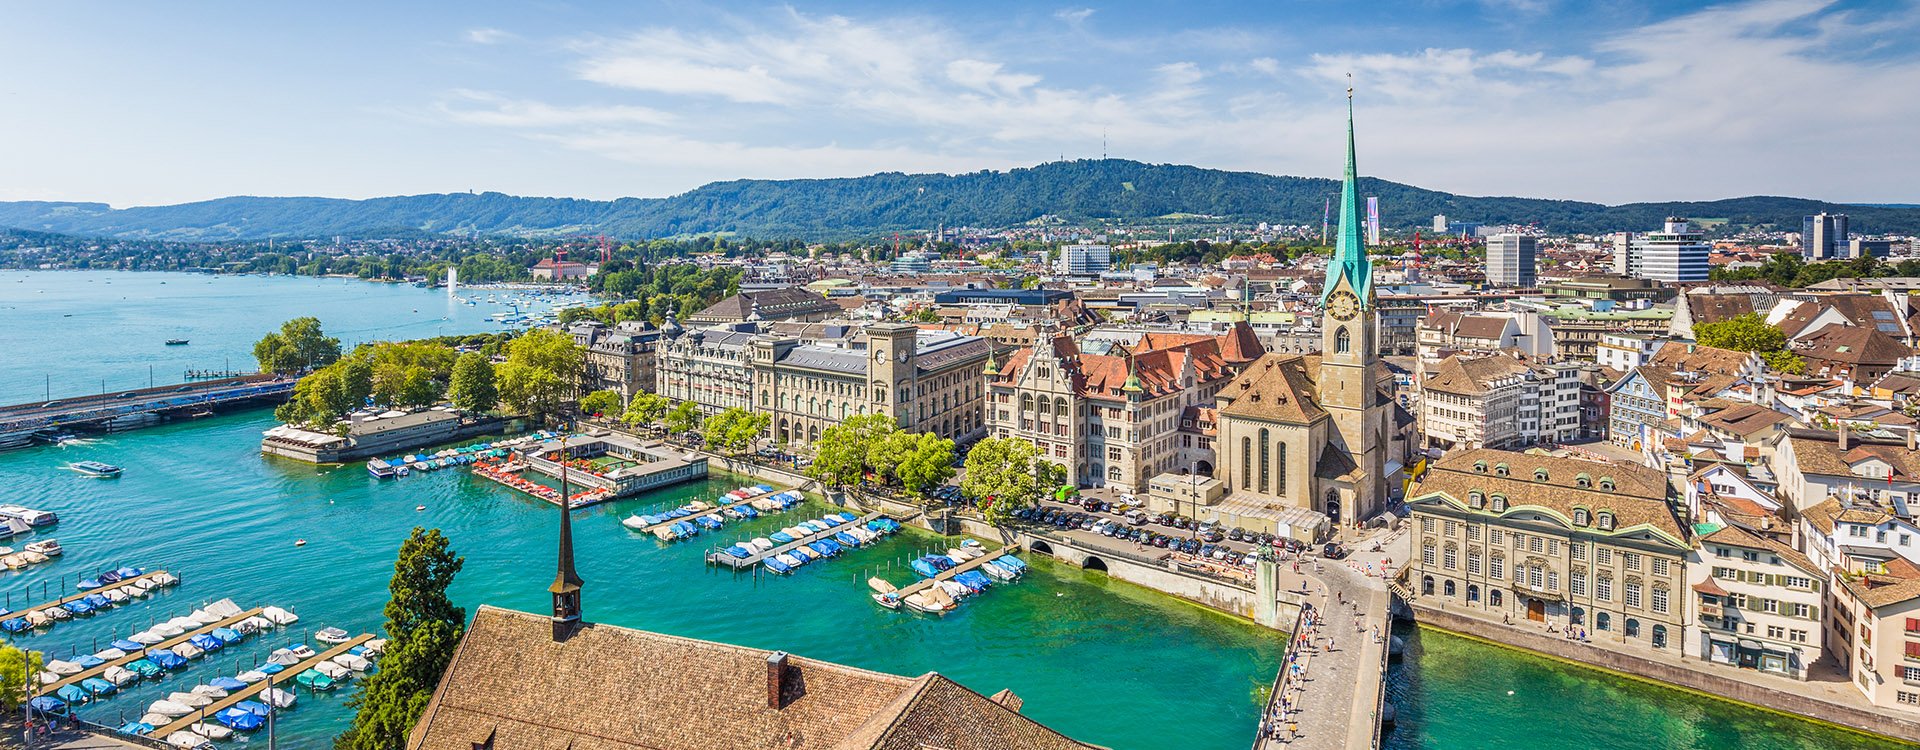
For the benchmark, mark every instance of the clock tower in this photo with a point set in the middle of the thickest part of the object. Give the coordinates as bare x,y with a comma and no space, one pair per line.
1349,376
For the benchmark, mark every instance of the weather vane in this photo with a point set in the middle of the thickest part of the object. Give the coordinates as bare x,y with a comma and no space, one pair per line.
1349,85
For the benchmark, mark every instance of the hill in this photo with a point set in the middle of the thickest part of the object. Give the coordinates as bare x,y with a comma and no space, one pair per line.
876,205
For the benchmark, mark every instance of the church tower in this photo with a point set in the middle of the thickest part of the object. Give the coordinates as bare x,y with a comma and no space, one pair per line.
566,582
1349,357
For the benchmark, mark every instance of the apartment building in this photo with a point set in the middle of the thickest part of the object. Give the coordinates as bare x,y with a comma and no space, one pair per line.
1499,401
1756,603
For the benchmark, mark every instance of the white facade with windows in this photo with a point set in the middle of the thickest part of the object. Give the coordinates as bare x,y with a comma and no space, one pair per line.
1755,604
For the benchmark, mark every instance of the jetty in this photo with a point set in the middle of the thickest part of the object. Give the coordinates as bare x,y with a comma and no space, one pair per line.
922,584
749,501
124,583
717,557
50,688
205,712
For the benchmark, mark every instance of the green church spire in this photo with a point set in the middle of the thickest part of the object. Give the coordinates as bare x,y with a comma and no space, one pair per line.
1350,250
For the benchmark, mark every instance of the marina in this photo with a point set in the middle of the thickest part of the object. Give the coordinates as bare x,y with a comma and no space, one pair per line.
19,624
760,498
212,711
732,556
54,686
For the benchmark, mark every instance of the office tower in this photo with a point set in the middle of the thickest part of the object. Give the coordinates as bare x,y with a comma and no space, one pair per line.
1824,237
1512,260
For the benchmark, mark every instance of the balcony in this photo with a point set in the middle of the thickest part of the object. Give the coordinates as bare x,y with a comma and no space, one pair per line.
1711,610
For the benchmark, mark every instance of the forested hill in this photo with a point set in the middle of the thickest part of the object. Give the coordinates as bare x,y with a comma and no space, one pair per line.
877,205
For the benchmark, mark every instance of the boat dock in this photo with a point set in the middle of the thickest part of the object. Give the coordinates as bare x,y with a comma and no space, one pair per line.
922,584
50,688
748,501
205,712
124,583
717,557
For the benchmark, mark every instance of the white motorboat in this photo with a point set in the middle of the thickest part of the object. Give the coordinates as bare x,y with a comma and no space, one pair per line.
109,654
203,617
251,676
58,613
789,559
253,625
120,676
301,650
190,700
283,657
117,596
155,719
188,740
64,668
167,630
215,731
210,691
187,650
761,543
375,646
333,670
146,637
278,698
279,616
332,635
48,547
165,579
185,623
354,662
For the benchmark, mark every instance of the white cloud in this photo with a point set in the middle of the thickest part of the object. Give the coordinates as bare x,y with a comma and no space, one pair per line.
487,36
1703,105
1073,16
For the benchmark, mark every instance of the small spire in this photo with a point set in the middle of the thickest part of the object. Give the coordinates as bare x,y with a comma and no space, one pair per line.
1133,384
993,365
566,582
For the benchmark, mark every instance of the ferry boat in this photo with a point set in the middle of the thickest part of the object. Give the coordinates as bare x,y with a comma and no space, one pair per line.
381,469
29,515
176,342
96,469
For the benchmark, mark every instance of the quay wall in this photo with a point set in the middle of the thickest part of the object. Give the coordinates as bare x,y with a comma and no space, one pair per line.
1727,686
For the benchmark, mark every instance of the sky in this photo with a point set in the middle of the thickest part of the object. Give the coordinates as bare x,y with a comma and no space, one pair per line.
140,103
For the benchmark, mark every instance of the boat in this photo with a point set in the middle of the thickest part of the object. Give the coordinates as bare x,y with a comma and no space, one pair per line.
278,698
334,670
776,565
162,658
31,516
147,667
177,342
97,686
64,668
170,709
251,676
135,728
73,694
919,602
187,651
48,547
234,717
332,635
96,469
213,731
226,684
190,699
279,616
381,469
189,740
283,657
312,679
206,642
119,676
98,601
301,650
228,636
353,662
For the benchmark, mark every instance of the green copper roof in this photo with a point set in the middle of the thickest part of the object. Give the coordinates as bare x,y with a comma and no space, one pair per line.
1350,252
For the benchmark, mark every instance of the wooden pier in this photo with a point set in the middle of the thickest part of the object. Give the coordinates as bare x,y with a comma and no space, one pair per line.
719,557
748,501
273,680
123,583
50,688
922,584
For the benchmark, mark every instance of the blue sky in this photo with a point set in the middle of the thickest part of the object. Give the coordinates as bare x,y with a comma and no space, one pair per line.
144,103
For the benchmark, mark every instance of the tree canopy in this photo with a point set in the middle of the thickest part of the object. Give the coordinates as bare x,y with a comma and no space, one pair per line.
841,454
424,628
604,403
17,668
645,409
472,386
299,346
540,371
734,430
1005,475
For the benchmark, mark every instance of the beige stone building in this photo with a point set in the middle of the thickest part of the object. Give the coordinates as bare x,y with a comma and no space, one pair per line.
927,381
1499,401
1547,539
1114,420
619,358
1755,603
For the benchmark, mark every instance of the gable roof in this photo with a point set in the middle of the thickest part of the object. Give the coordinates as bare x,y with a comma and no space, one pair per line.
613,687
1716,308
1820,454
1855,345
1637,500
1472,376
1276,387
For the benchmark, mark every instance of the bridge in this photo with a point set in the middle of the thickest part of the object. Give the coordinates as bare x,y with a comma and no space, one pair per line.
20,422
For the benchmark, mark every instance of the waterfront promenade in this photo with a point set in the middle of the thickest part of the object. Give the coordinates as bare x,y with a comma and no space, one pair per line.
1333,697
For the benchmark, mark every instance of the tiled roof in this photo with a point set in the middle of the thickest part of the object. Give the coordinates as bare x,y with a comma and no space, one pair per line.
1468,325
1276,387
1745,419
1734,536
1638,498
1702,358
1472,376
771,304
1855,345
1715,308
1821,455
511,685
1159,358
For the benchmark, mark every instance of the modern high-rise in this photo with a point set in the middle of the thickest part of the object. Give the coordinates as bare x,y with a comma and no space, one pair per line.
1085,260
1512,260
1824,237
1676,253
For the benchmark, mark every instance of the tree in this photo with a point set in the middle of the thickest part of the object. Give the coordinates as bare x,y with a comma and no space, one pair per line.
423,628
539,372
1785,362
645,409
926,465
472,385
1743,333
604,403
733,430
299,346
1001,477
840,455
17,667
683,418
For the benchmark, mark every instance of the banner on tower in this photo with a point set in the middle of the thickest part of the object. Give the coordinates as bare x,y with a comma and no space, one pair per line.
1373,220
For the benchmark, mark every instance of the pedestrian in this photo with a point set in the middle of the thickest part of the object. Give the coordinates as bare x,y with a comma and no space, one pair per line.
1293,731
1342,597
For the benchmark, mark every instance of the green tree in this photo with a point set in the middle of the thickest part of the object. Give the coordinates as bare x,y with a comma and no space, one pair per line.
840,455
420,388
1785,362
645,409
424,629
17,668
604,403
299,346
927,464
733,430
356,380
1005,475
1743,333
539,372
472,386
685,416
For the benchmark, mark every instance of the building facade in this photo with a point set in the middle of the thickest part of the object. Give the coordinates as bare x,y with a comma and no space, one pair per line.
1676,253
1085,260
619,358
927,381
1574,543
1756,604
1513,260
1824,237
1499,401
710,367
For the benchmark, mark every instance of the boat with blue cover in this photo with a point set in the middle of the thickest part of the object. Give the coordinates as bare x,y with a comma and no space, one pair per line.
74,693
228,636
98,601
97,686
312,679
166,659
145,668
774,564
16,625
206,642
96,469
48,705
239,719
126,645
138,728
78,607
88,661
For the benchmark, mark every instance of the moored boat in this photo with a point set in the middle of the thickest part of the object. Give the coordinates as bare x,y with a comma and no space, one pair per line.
96,469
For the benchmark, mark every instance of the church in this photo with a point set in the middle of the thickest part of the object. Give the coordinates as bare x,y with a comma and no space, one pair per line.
1320,431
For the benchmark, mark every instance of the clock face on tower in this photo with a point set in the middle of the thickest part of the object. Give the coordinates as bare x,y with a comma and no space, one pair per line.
1343,305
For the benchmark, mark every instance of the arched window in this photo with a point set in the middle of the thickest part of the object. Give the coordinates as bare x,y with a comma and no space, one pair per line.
1605,520
1501,470
1280,471
1113,473
1060,407
1659,636
1448,588
1477,499
1426,585
1584,480
1499,503
1580,516
1473,592
1480,466
1606,484
1633,628
1026,402
1539,475
1266,462
1246,463
1602,621
1493,597
1343,343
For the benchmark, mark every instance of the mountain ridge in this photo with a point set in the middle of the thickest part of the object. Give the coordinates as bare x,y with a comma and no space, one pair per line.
841,208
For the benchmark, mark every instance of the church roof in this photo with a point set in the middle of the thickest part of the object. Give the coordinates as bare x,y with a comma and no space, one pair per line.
1350,249
1276,387
511,685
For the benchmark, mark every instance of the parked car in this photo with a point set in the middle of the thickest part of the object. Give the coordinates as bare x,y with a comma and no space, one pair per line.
1333,551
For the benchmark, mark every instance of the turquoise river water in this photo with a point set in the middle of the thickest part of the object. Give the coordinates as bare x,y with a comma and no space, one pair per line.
1103,661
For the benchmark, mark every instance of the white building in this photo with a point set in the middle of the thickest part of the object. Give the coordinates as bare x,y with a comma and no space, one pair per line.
1085,260
1499,401
1512,260
1625,351
1755,604
1676,253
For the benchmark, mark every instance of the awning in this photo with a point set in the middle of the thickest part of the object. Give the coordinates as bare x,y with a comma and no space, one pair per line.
1749,643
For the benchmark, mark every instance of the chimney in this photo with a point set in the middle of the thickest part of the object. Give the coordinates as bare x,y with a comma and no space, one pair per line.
1913,441
1846,436
776,674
